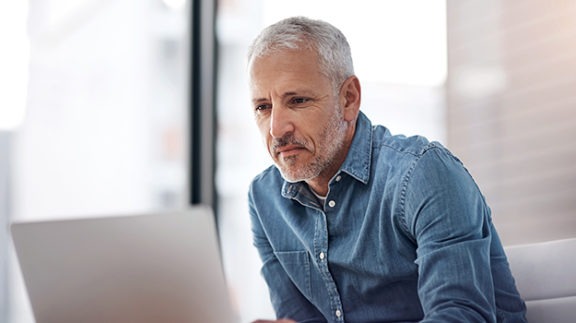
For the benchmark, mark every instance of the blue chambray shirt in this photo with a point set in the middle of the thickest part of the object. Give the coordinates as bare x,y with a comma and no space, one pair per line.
404,236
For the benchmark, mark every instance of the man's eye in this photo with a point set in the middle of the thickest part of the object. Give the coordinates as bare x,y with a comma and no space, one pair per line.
299,100
262,107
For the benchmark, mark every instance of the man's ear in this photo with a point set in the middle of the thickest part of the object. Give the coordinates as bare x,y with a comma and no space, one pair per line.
350,97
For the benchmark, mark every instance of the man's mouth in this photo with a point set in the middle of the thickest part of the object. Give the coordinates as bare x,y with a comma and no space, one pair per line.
288,150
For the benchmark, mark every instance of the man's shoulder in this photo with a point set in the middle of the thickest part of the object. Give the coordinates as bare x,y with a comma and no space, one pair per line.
412,146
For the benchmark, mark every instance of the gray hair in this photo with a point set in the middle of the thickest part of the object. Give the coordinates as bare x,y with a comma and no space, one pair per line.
333,50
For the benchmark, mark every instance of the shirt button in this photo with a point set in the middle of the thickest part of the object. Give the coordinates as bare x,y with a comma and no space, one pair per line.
322,256
338,313
332,203
338,178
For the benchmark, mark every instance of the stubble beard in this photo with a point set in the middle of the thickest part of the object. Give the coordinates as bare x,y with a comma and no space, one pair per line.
326,152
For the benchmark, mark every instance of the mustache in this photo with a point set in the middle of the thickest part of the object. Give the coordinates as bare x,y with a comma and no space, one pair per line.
287,139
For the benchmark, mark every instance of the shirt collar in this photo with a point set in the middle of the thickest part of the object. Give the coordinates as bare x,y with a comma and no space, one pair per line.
357,163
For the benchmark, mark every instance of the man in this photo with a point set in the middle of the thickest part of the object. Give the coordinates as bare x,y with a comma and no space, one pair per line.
354,224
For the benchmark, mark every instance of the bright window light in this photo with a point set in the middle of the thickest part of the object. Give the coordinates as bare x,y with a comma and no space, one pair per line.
13,63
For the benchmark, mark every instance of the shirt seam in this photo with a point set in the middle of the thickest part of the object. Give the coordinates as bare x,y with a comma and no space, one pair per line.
404,190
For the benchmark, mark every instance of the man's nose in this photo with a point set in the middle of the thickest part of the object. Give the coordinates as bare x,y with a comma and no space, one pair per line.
280,122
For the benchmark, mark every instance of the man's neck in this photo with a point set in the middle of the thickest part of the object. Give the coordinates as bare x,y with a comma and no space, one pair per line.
319,188
319,184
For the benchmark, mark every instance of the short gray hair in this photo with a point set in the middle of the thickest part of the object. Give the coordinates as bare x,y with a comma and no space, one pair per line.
329,42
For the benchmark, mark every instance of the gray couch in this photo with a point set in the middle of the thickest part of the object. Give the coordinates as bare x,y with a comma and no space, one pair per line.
545,274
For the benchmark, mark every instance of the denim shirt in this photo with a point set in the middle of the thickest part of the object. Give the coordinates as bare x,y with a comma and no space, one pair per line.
404,235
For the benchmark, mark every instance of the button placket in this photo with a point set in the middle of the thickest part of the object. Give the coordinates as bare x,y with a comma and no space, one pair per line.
321,248
338,313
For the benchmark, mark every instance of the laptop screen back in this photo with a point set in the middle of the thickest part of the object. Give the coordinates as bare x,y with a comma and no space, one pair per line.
141,268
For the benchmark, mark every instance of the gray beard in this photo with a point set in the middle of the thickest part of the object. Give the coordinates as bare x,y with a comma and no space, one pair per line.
334,134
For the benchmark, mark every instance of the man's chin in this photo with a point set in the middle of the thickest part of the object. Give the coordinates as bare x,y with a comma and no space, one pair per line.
288,176
294,177
291,180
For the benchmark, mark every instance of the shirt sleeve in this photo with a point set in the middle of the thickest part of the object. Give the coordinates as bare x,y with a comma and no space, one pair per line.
287,300
450,222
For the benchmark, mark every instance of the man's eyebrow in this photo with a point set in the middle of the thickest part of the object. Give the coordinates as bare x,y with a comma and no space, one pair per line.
259,100
284,95
305,93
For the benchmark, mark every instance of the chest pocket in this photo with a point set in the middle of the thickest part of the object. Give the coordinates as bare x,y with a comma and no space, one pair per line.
306,277
297,265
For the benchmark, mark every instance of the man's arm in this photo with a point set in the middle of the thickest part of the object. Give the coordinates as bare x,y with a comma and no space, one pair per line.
287,300
447,215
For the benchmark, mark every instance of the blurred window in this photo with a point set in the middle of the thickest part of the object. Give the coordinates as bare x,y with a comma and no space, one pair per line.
102,129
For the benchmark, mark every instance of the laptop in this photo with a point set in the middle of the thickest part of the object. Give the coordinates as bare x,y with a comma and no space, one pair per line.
149,268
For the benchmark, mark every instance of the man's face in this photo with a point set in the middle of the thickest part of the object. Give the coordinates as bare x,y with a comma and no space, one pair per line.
299,114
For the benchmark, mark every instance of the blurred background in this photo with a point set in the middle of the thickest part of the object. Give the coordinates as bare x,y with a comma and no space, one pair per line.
133,106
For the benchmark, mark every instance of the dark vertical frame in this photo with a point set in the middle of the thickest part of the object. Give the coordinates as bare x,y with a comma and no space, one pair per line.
202,116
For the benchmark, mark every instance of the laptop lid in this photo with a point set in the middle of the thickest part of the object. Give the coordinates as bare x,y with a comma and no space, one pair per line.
139,268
